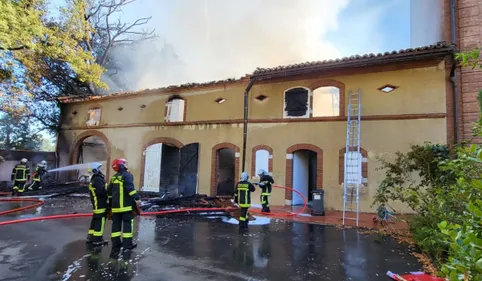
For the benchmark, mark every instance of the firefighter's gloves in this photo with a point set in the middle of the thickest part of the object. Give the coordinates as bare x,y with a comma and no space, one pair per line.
137,211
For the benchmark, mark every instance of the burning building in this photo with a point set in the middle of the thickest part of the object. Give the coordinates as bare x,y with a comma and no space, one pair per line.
189,139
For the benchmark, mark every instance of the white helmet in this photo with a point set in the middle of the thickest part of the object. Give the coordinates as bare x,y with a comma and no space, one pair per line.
95,168
24,161
244,176
43,163
261,172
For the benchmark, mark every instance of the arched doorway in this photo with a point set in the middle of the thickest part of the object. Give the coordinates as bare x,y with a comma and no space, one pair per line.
304,171
304,175
89,147
225,169
170,168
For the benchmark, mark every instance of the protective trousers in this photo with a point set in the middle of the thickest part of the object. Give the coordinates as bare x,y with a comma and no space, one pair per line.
97,224
122,225
18,186
243,219
264,202
35,185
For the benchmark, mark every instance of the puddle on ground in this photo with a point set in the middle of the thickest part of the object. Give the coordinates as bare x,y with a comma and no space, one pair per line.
196,248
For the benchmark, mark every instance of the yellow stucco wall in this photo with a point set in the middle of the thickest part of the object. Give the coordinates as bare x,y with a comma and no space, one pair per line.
420,91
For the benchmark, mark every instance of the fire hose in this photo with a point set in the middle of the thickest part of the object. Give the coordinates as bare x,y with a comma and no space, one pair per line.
39,202
279,214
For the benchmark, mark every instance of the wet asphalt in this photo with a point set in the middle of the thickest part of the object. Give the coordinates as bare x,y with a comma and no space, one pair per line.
193,248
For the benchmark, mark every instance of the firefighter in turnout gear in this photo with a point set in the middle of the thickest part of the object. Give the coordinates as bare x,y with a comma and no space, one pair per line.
123,198
243,199
98,197
37,176
20,174
265,183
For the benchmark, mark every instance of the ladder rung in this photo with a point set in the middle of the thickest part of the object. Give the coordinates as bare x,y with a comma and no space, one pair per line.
351,186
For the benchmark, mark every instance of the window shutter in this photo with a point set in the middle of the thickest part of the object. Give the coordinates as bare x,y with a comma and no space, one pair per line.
168,112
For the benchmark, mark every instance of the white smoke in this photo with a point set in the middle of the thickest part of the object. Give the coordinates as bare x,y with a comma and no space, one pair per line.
219,39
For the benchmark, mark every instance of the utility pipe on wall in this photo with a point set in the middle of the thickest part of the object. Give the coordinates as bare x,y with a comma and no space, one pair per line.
245,126
454,75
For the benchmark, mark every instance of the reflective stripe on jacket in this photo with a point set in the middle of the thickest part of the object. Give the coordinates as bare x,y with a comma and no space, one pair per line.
39,171
98,193
243,190
266,181
121,192
20,172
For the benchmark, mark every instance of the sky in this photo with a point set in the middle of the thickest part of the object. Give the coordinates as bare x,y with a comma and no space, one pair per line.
220,39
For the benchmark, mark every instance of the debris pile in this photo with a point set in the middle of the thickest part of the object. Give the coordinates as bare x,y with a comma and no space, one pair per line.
195,201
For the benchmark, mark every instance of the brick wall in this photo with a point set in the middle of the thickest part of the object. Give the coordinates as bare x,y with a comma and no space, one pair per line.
469,17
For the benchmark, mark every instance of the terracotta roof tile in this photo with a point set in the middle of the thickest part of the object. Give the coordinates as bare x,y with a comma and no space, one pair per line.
167,90
284,69
354,58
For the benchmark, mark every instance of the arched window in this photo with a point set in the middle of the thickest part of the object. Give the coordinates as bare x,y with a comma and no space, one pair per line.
364,167
93,116
326,101
175,109
261,158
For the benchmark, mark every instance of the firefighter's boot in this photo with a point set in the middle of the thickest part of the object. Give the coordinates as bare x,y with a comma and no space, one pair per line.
129,246
89,239
100,243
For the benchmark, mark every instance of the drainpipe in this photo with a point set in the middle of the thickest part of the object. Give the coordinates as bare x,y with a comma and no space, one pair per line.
453,77
245,126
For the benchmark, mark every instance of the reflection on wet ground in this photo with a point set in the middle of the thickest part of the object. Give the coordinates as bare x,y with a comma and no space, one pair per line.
195,249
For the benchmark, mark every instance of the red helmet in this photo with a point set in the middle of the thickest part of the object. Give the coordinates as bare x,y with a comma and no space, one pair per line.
119,163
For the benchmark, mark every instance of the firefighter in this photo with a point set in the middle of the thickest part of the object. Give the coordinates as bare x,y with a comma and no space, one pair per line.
98,197
20,174
265,183
243,194
37,176
122,198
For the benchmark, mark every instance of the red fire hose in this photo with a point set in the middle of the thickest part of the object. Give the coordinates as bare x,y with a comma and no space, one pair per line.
165,212
37,201
279,214
70,216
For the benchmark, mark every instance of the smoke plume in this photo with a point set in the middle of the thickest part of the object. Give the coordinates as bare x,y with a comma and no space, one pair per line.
204,40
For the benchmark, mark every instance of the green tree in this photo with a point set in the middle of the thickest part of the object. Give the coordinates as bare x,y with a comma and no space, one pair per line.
44,58
470,58
47,144
16,133
28,39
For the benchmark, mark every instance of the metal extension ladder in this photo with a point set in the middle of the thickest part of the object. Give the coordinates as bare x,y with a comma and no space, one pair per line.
352,180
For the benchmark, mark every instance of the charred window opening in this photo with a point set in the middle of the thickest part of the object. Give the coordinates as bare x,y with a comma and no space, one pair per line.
225,170
296,103
92,149
326,102
175,108
93,117
171,171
